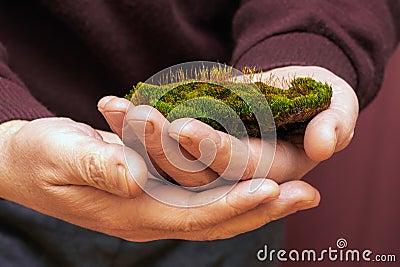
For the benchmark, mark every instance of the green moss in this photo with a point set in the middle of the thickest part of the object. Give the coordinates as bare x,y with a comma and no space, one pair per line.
291,109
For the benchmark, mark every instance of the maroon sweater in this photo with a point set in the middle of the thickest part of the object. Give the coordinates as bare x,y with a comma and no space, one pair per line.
64,55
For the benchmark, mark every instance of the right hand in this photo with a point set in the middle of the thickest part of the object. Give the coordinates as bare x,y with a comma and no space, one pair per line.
67,170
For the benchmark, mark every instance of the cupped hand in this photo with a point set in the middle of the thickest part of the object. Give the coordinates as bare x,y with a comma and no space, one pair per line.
71,171
329,132
333,129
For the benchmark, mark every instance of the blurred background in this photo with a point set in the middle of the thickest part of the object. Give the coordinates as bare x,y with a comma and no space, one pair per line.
360,186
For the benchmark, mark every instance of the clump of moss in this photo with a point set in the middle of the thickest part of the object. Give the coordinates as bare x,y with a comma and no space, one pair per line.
291,109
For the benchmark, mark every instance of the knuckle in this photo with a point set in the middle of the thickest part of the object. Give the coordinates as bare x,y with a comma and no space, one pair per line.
249,170
232,205
222,156
190,222
156,152
93,169
223,144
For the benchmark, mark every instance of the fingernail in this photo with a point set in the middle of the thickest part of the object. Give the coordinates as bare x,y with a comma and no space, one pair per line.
103,102
122,183
149,128
304,204
140,125
111,117
184,140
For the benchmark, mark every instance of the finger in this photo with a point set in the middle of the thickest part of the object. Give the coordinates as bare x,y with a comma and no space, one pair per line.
151,128
235,159
294,196
114,109
225,154
289,161
332,130
238,159
157,220
191,218
102,165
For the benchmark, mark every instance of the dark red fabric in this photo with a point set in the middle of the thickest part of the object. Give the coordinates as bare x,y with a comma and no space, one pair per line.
70,53
16,101
276,33
62,56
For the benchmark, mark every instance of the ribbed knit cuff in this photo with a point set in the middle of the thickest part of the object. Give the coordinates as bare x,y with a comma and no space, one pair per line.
17,103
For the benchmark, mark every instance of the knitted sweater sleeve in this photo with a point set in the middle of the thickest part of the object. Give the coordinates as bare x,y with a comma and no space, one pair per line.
16,102
354,39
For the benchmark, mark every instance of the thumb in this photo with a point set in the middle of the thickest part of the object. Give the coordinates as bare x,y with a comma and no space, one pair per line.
103,166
